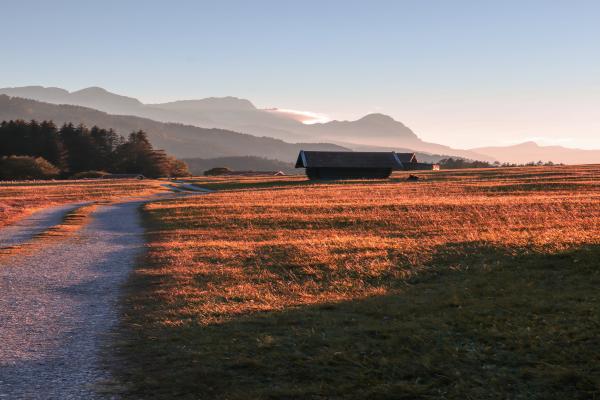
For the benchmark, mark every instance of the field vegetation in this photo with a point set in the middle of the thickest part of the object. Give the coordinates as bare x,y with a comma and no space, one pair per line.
466,284
19,199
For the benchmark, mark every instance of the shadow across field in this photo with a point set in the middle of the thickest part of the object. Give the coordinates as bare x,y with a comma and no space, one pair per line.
489,324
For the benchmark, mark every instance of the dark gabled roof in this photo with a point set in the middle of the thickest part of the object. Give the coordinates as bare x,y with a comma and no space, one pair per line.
407,157
347,159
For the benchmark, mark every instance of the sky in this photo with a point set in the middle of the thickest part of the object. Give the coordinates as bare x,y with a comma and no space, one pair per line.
461,73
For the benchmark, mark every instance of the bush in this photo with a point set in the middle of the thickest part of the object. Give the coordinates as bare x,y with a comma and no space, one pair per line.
177,168
26,167
217,171
89,174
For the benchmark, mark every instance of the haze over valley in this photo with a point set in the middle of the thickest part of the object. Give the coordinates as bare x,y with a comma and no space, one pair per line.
230,126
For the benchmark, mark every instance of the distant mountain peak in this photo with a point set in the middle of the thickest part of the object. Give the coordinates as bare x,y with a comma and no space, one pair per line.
92,90
94,97
529,143
378,118
370,119
37,87
98,94
211,103
372,129
35,92
231,101
531,151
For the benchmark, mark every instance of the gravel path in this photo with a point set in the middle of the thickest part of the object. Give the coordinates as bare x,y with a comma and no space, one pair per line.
36,223
58,304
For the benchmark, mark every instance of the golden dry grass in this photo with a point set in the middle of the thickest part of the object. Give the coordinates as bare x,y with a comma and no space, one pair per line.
19,199
240,283
250,250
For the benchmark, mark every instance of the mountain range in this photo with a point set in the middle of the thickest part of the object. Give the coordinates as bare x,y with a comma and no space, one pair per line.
185,128
177,139
240,115
531,151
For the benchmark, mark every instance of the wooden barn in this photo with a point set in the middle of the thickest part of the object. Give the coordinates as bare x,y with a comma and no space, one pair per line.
350,165
358,165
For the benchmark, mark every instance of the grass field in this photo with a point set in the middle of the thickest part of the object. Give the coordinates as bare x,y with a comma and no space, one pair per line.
468,284
19,199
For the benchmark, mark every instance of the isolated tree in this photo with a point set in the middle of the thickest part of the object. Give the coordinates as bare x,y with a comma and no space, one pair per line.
177,168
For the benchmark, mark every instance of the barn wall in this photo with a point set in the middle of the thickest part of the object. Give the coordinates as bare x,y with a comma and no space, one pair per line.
418,166
348,173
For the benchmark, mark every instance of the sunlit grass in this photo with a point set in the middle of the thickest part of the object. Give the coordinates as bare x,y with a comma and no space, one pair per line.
466,283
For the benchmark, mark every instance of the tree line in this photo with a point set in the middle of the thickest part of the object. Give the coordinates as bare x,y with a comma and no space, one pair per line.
76,149
459,163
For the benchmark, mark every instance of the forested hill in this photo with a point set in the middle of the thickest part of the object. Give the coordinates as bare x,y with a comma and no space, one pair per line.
38,150
179,140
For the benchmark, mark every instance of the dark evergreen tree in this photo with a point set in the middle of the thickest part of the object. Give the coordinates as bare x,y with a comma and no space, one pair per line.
52,148
136,155
82,155
74,149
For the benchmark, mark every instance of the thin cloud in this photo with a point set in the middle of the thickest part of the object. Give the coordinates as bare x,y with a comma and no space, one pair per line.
306,117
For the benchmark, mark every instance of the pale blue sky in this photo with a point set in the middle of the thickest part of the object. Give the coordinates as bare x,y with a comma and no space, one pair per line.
463,73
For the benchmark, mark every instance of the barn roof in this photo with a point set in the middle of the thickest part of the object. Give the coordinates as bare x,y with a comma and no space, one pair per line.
407,157
348,159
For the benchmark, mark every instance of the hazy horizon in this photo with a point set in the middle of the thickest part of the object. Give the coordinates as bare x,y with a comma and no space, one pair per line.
465,74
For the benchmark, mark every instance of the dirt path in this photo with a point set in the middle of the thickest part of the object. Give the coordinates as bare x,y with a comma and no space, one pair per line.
58,304
36,223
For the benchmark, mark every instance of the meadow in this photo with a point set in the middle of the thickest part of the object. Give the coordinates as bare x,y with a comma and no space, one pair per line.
19,199
466,284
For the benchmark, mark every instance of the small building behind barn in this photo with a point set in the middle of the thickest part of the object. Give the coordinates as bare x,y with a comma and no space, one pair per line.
419,166
356,165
